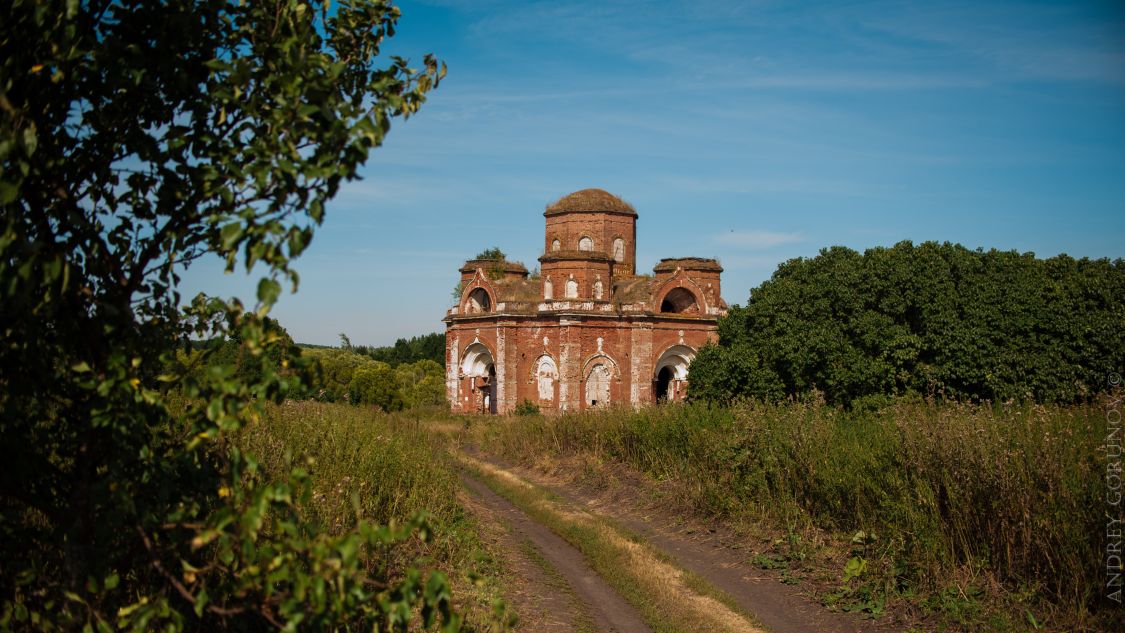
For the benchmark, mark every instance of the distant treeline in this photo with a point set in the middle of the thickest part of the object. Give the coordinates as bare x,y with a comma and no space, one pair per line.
934,320
404,351
392,378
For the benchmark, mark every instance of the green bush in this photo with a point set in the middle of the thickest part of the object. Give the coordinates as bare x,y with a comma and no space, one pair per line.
346,376
527,407
936,320
374,383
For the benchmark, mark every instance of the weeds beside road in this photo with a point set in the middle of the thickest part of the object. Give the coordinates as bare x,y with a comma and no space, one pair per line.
952,516
985,517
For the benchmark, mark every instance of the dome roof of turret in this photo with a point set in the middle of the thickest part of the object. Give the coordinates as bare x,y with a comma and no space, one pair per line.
590,201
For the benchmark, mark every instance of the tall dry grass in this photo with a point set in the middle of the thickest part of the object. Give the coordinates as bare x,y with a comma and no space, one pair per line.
383,468
1012,495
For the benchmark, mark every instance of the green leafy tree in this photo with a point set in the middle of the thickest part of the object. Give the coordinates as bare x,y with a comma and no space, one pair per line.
421,383
427,347
335,371
933,319
135,138
376,383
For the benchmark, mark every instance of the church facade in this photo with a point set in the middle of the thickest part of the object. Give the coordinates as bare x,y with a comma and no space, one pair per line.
589,331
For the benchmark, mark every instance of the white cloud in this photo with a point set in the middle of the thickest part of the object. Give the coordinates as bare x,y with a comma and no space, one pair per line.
758,239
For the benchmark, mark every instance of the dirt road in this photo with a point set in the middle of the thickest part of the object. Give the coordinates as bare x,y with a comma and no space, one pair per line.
597,600
582,600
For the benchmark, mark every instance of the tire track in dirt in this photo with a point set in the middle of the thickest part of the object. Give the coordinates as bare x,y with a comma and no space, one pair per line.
539,596
609,611
780,608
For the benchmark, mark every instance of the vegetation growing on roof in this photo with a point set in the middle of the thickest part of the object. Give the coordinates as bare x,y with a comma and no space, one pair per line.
590,200
492,254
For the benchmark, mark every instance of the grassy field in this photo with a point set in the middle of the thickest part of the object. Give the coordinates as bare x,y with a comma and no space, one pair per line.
985,517
383,468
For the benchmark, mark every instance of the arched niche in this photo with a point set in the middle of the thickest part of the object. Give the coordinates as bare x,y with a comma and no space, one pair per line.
571,289
618,250
548,288
585,243
556,244
679,300
597,385
546,377
478,301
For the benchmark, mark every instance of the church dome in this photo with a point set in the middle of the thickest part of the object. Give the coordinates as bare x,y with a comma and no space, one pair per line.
590,201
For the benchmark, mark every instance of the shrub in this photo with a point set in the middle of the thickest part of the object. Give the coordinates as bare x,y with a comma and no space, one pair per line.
374,383
932,320
527,407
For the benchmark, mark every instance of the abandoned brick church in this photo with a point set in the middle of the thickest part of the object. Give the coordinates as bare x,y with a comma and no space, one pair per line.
590,331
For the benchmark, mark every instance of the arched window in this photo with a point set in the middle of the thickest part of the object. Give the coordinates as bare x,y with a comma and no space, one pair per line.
556,245
585,244
571,289
619,250
478,301
679,300
548,289
546,375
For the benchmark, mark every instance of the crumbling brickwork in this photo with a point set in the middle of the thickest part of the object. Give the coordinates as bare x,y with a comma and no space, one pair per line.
589,332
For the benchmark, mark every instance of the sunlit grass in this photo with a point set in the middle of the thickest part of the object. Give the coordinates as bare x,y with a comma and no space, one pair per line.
1009,498
381,468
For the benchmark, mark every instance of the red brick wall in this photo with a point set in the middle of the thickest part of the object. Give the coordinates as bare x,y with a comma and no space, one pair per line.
602,228
632,348
585,273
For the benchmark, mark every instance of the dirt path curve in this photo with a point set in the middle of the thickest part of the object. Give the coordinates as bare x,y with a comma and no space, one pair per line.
609,611
781,608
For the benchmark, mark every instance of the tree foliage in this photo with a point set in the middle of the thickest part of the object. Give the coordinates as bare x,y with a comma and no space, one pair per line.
347,376
427,347
492,254
374,383
135,138
932,319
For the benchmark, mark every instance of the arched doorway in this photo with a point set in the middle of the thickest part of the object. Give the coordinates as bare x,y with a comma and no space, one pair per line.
479,369
663,384
671,372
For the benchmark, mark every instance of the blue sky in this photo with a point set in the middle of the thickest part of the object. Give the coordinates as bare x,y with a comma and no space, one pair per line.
752,132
